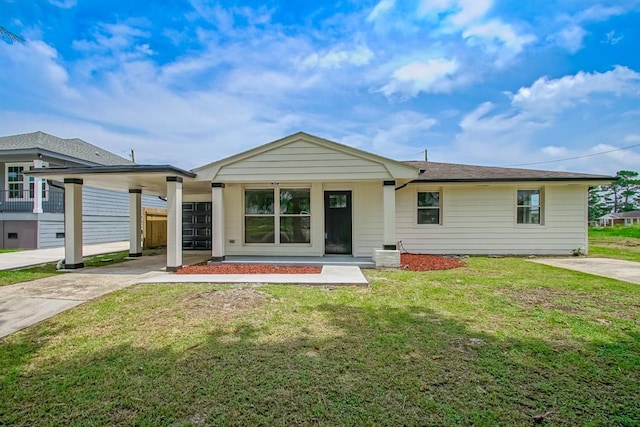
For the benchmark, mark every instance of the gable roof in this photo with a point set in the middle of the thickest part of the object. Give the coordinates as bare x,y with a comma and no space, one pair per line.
393,169
621,215
75,148
452,172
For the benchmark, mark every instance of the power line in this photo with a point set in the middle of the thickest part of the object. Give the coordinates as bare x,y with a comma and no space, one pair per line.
576,157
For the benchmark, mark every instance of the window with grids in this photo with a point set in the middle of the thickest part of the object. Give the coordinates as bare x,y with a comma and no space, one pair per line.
287,210
529,209
20,186
429,207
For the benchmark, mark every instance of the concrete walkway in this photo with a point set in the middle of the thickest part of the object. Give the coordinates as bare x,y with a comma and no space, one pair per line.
24,304
330,275
627,271
28,258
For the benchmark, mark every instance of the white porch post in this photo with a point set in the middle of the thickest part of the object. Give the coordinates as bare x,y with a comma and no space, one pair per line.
135,222
389,220
389,255
37,189
174,223
73,223
217,221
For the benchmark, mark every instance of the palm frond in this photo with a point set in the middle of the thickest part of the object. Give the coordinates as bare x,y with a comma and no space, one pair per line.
10,37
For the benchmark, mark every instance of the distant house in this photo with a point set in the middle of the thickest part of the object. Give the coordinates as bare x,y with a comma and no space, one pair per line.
620,218
307,196
32,209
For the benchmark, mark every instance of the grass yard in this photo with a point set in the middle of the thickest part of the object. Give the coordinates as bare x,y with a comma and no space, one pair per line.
615,242
502,341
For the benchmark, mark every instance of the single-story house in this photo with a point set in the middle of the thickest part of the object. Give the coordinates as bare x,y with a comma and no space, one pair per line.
32,208
307,196
619,218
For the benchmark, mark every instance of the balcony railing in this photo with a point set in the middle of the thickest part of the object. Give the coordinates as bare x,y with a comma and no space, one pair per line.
22,201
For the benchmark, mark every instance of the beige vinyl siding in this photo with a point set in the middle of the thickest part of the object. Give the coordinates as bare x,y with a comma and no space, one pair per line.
302,161
481,219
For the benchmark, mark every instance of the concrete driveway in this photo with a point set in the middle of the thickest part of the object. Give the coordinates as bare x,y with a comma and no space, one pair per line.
24,304
627,271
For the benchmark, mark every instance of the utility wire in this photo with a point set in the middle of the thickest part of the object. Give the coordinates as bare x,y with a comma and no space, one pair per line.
576,157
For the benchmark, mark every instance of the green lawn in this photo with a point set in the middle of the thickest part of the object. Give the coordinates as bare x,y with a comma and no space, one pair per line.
502,341
615,242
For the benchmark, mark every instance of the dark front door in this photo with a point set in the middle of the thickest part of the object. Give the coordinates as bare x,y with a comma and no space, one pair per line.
337,222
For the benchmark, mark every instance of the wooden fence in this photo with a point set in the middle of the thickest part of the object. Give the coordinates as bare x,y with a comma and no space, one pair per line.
154,227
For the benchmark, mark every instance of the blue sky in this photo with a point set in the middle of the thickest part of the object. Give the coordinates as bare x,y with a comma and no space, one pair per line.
187,82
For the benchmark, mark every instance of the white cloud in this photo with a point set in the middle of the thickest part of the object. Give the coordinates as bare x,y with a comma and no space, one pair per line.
336,58
398,136
498,38
546,96
599,13
380,9
571,38
431,76
572,34
542,115
612,38
460,13
63,4
554,151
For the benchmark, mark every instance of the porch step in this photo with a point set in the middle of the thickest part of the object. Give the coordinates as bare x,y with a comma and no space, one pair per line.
362,262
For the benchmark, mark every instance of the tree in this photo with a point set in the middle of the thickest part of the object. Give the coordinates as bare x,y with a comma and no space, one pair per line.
622,194
10,37
597,205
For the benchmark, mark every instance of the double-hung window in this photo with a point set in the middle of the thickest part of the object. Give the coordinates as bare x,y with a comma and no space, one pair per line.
529,209
277,216
429,208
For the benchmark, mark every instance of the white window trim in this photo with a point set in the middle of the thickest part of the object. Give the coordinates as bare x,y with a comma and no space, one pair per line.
440,206
276,215
26,182
543,210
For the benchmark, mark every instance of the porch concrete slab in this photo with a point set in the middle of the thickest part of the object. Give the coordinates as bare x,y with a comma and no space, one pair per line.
346,260
31,257
627,271
335,275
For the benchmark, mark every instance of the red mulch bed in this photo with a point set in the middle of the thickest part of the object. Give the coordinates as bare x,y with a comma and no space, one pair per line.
248,269
419,262
412,262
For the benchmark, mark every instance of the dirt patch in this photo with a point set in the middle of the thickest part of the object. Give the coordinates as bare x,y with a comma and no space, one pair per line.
419,262
225,302
247,269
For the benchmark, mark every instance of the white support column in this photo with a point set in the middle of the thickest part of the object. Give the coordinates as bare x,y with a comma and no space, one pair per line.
389,255
174,223
389,219
135,222
217,221
37,188
73,223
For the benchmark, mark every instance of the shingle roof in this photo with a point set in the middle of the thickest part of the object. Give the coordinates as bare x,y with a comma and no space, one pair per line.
74,147
452,172
621,215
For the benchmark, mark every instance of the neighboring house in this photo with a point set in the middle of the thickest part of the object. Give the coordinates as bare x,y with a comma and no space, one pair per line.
620,218
307,196
32,209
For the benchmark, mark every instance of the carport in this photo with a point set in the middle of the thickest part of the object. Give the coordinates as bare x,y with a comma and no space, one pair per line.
159,180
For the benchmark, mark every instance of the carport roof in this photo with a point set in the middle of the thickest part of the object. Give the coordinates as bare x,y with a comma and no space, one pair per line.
150,179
